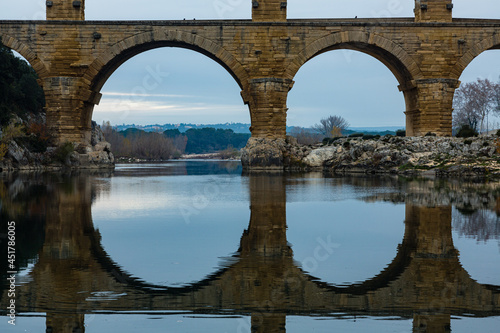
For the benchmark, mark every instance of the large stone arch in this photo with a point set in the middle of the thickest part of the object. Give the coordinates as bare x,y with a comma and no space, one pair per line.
27,53
394,57
117,54
112,58
484,45
399,62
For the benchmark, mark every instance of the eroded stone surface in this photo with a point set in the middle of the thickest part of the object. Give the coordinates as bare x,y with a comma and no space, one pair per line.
445,156
441,156
263,153
99,155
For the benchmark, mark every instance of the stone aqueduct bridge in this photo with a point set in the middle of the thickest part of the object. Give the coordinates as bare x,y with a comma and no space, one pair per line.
426,53
425,280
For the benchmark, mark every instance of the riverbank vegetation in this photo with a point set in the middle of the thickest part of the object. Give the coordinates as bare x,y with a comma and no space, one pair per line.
135,143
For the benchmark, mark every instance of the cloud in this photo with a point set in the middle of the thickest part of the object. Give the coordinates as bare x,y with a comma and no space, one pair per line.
126,94
145,112
157,107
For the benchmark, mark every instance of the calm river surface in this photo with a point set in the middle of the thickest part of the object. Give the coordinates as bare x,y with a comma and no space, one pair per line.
196,246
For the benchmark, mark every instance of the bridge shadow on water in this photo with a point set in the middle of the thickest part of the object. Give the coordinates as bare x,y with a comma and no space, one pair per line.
73,275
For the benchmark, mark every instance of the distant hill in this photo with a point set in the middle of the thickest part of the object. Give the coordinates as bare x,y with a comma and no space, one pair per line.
183,127
131,131
244,128
370,132
376,129
211,140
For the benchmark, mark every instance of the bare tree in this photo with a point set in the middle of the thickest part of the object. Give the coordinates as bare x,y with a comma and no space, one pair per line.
465,113
497,97
331,126
485,90
473,102
481,224
151,146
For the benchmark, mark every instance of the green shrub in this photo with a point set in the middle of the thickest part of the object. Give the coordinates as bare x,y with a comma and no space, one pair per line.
329,141
406,166
466,132
371,137
33,143
498,132
228,153
61,154
9,133
356,135
3,150
13,131
401,132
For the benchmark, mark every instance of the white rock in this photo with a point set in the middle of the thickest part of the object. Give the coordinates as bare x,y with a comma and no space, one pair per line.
318,156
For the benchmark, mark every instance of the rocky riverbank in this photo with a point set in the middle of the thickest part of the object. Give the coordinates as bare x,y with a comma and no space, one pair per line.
430,155
21,156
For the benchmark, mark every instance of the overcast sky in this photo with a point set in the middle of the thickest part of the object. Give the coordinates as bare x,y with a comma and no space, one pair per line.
194,89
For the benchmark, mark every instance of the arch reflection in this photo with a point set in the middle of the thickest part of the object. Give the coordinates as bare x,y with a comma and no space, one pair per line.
74,276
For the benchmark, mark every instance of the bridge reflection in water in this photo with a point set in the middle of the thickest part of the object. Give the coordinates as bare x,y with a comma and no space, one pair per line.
425,281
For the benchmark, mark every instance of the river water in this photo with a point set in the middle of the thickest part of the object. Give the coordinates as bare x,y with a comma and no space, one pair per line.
197,246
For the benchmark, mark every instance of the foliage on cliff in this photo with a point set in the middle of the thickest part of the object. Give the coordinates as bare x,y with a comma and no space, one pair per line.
20,93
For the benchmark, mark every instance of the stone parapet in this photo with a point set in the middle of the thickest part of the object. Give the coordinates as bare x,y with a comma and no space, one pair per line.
433,10
65,9
269,10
